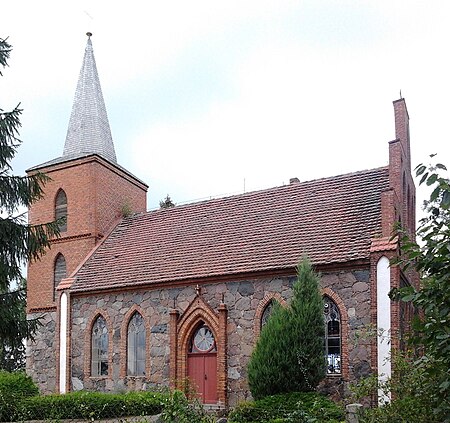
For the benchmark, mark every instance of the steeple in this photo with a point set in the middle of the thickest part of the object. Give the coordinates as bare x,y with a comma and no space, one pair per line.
88,130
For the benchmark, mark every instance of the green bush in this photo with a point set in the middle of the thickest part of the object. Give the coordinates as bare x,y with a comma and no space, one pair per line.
408,387
13,388
298,407
289,354
91,405
17,384
177,408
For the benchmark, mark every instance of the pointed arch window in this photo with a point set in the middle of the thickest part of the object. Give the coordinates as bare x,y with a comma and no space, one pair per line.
59,272
99,348
136,346
332,318
61,209
267,312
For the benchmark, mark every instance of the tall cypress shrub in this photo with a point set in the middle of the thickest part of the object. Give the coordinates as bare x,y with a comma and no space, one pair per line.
289,355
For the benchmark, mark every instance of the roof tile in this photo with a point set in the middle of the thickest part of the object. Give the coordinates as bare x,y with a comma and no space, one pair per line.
332,220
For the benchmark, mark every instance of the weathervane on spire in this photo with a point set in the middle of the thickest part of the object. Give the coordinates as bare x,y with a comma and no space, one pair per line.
89,34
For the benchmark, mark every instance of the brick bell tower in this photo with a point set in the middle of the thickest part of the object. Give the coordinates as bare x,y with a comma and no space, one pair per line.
93,192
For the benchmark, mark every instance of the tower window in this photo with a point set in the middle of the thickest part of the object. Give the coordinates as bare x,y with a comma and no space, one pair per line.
59,272
61,209
332,319
99,348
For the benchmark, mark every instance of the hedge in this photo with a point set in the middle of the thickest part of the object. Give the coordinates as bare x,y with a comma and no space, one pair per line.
88,405
292,407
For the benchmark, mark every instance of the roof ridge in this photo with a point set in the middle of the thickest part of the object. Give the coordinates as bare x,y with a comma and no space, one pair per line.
274,188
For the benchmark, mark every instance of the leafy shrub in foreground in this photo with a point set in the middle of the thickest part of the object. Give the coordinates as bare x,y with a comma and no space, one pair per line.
408,386
13,388
17,384
91,405
293,407
177,408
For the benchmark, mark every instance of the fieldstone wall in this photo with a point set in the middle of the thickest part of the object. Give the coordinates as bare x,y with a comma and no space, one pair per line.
242,299
41,353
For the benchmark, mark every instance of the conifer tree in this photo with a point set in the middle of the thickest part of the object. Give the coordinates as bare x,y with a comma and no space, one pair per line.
19,241
167,203
289,355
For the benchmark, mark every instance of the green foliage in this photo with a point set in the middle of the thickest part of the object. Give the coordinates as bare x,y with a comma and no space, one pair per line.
289,355
13,388
13,310
431,258
293,407
408,388
19,241
178,409
90,406
167,203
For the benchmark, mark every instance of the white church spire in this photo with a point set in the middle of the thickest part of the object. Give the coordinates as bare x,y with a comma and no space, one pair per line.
89,130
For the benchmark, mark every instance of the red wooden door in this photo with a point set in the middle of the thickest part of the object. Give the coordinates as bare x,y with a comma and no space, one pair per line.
202,364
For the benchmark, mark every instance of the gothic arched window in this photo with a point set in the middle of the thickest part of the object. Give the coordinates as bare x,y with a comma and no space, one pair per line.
267,312
332,319
61,209
99,348
59,272
136,346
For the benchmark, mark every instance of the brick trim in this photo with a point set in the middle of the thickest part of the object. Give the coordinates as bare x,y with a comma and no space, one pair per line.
68,341
344,330
196,312
123,349
88,345
395,311
260,310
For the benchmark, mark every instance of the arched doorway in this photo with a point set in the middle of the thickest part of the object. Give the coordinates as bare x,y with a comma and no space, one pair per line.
202,363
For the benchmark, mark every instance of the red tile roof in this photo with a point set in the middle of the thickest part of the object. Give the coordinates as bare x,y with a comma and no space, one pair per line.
332,220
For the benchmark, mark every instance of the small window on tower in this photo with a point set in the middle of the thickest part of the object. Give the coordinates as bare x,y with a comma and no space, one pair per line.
61,210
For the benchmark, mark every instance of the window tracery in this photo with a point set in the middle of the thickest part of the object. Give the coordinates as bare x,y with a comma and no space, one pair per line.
99,348
136,335
332,319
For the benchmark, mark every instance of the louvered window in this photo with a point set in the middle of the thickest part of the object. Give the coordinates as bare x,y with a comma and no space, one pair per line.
59,272
61,209
99,345
136,346
332,319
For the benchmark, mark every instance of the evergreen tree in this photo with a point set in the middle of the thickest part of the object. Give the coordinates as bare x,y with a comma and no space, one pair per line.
167,203
289,355
19,241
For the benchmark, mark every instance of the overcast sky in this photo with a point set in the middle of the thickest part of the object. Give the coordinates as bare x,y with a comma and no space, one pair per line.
206,98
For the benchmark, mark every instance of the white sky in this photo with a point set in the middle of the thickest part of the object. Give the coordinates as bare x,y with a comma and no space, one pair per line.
204,95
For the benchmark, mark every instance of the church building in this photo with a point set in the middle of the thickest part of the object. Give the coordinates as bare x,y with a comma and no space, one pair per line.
132,299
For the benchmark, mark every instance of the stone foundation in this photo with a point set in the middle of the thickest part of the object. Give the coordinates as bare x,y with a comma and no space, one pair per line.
41,353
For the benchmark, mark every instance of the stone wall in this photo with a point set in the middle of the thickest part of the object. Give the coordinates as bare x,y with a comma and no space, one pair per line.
242,299
41,353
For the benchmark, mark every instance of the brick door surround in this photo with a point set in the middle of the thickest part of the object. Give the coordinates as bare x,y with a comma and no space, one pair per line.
182,328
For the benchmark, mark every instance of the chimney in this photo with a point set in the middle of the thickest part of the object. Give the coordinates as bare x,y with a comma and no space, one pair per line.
294,181
402,129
